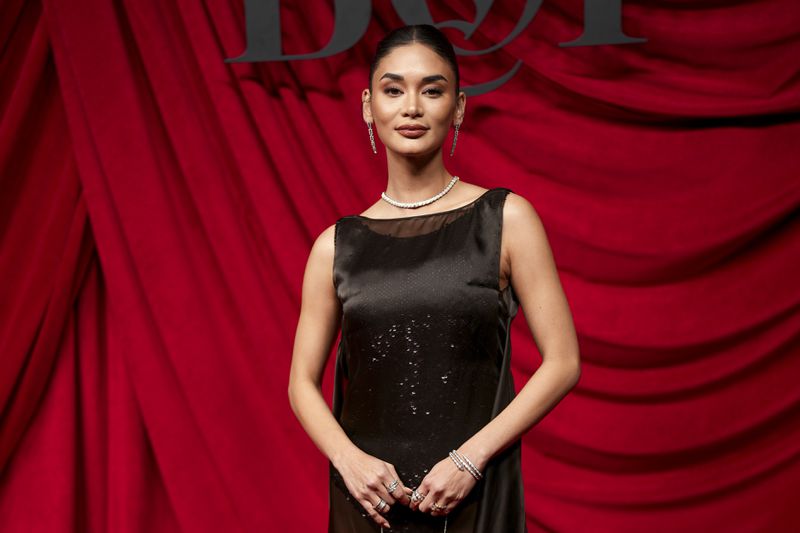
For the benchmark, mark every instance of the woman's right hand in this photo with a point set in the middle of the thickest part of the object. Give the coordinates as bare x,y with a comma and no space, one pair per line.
367,479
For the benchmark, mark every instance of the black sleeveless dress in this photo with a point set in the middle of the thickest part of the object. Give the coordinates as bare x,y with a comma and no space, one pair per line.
424,358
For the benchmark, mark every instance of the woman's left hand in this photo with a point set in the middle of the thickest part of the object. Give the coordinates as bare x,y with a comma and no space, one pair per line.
445,485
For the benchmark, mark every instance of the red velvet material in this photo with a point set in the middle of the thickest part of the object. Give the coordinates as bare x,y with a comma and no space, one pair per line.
157,207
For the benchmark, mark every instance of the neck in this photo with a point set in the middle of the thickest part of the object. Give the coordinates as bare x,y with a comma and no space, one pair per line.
416,178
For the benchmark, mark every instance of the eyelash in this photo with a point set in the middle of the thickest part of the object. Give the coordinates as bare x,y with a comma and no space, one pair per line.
437,91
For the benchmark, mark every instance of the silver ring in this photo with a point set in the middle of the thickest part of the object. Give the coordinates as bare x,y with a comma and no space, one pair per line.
380,505
436,507
416,496
393,486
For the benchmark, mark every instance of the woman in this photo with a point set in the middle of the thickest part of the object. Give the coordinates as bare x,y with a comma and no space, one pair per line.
425,430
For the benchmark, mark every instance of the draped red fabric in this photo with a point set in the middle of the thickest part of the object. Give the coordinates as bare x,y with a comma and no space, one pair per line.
157,206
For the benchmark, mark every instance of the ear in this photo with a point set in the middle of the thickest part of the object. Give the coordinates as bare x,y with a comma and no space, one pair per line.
461,107
366,110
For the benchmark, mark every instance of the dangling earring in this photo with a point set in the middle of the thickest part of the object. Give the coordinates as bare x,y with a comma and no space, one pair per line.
455,138
371,138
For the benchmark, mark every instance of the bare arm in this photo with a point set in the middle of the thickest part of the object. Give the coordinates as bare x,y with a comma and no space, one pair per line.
367,477
535,280
317,328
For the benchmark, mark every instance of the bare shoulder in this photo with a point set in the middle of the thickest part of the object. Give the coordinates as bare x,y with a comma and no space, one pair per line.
324,245
318,275
523,230
519,214
325,240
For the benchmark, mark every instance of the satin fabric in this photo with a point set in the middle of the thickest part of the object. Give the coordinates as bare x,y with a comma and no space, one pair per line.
423,362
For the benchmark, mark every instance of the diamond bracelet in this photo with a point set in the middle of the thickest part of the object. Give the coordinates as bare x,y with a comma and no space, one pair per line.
463,462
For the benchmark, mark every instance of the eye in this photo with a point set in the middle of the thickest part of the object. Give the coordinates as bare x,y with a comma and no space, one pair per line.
391,91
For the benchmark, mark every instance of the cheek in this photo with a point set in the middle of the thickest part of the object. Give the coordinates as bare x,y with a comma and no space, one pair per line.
384,113
441,115
438,127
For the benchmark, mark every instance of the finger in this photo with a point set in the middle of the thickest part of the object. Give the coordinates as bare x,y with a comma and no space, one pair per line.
412,503
382,492
451,504
407,499
407,491
438,512
443,506
426,504
376,516
401,493
422,490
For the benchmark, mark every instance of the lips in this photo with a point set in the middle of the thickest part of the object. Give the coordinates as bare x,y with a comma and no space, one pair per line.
412,131
412,134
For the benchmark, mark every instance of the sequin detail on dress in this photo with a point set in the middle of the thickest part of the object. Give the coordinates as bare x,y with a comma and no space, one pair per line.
423,362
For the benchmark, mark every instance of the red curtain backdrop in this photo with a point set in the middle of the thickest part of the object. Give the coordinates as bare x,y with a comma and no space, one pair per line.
157,206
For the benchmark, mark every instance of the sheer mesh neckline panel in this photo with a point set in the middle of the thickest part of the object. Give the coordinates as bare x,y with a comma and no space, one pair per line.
418,225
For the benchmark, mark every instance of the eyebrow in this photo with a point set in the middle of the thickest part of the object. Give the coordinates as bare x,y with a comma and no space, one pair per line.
426,79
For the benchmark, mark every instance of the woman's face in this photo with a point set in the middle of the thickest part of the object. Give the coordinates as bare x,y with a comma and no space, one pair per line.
413,85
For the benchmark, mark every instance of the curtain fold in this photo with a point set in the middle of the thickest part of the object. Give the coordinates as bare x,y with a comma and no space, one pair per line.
157,207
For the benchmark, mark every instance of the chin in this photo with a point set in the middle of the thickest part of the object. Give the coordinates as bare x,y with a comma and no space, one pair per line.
414,153
419,149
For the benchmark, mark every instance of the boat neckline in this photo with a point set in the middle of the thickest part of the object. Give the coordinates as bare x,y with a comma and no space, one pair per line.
470,204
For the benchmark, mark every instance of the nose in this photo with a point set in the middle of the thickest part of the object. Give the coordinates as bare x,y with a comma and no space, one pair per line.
412,107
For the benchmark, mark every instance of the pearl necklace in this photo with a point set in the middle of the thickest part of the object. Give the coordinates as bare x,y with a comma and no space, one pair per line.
412,205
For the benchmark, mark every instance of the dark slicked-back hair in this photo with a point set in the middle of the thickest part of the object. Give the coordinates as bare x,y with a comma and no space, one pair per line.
425,34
